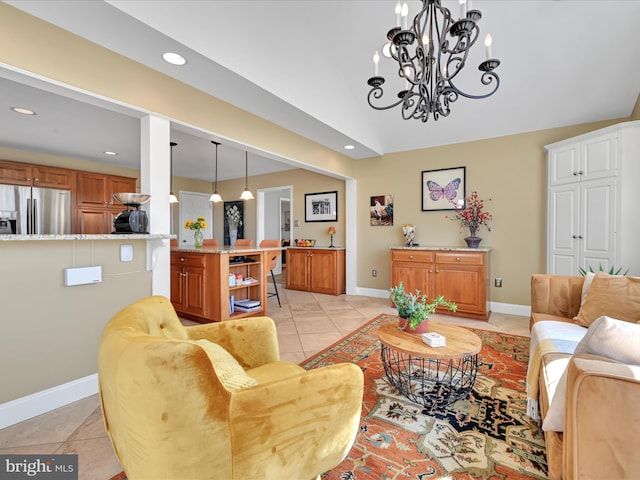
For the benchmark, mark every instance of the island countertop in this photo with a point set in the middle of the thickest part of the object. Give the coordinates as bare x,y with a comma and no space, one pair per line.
225,250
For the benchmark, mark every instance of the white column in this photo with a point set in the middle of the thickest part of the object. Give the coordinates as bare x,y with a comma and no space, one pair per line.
351,237
155,180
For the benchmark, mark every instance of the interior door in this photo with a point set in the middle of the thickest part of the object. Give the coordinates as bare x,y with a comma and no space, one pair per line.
192,206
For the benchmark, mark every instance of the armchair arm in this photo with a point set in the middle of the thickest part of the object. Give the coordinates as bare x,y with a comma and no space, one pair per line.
253,341
557,295
297,427
602,419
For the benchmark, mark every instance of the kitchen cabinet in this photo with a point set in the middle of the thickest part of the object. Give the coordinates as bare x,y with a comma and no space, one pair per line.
590,199
17,173
461,276
318,270
95,206
200,285
188,283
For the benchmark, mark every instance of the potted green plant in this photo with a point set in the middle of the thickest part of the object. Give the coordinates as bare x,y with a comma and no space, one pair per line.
414,308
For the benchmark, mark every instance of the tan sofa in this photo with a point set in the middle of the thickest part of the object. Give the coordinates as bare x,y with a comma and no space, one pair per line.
602,413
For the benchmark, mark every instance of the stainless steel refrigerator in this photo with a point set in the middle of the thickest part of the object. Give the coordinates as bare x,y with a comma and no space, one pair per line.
32,210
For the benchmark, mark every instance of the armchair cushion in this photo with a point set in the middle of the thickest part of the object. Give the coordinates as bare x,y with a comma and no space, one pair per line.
227,368
612,295
608,338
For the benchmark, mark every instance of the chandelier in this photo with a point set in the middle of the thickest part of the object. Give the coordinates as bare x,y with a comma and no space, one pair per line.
430,55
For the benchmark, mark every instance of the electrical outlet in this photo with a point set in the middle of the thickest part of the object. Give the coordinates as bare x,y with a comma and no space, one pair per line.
498,282
374,273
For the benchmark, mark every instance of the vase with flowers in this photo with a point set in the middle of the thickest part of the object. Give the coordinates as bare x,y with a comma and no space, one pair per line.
414,309
472,216
234,220
197,227
332,232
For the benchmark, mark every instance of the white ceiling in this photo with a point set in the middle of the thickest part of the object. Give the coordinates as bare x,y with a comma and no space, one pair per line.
304,65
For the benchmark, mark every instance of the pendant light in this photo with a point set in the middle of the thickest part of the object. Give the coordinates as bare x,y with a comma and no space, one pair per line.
246,194
215,196
172,197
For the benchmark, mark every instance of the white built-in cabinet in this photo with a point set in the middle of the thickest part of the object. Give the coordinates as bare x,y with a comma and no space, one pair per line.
592,201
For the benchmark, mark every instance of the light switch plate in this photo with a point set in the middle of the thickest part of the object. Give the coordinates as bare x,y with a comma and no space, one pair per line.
126,252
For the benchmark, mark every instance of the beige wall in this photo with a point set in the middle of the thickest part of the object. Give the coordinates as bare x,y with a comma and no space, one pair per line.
302,181
50,332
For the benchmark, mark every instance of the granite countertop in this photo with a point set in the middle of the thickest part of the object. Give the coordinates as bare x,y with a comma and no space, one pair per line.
81,236
224,250
441,249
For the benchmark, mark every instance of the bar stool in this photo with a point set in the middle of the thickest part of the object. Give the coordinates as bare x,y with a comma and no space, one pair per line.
274,263
244,243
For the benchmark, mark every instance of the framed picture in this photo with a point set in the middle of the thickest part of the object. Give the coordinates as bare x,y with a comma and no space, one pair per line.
321,207
381,207
443,189
235,212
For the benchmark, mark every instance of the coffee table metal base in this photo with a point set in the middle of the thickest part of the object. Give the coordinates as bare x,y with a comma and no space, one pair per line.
433,383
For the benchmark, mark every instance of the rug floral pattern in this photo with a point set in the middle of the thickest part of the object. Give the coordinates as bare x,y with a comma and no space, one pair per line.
485,436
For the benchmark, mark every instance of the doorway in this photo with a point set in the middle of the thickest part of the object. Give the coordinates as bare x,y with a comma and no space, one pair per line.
192,206
274,206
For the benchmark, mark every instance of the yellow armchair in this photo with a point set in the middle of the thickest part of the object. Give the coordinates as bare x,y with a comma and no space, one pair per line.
175,406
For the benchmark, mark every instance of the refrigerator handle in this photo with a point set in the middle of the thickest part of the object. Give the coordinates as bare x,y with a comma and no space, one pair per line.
34,217
29,215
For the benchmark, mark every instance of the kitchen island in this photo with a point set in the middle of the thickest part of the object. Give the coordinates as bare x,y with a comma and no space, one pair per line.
206,282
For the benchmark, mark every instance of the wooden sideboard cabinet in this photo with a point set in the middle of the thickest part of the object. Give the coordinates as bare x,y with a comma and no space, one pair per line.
17,173
188,283
95,206
461,276
318,270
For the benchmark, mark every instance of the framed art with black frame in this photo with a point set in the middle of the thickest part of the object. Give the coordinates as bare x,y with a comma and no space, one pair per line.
321,207
443,189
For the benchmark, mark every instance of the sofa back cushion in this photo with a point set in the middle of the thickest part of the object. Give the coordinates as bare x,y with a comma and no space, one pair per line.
611,295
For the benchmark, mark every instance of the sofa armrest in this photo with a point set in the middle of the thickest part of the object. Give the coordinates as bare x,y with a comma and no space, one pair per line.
556,295
252,341
602,419
299,426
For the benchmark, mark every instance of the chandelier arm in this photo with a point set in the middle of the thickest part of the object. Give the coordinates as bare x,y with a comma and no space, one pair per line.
487,78
377,93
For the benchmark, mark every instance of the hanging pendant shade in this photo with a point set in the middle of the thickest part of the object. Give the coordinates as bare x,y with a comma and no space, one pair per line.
172,196
246,194
215,196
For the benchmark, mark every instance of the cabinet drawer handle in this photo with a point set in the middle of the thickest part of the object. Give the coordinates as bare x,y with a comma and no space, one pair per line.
430,271
183,274
575,174
457,259
574,236
410,257
182,259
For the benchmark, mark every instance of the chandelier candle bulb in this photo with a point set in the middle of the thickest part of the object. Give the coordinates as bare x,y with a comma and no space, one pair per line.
404,14
398,10
376,59
487,43
463,9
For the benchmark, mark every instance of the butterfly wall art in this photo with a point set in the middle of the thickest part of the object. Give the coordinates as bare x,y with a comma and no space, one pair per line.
443,189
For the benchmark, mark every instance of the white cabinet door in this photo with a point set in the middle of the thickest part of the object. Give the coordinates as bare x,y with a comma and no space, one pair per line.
597,223
564,164
563,256
598,157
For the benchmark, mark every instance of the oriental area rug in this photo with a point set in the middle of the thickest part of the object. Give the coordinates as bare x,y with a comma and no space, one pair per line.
485,436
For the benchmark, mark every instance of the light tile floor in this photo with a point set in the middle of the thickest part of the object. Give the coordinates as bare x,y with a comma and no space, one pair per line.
306,324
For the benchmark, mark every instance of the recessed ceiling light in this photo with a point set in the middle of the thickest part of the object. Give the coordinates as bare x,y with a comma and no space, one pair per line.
349,147
174,58
23,111
113,154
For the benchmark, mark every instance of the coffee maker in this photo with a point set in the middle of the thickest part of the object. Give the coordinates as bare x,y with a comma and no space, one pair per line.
132,220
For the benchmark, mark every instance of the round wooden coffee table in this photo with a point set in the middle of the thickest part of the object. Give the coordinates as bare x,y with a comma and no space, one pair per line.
431,376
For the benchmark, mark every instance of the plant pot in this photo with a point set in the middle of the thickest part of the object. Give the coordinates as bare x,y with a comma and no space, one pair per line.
403,323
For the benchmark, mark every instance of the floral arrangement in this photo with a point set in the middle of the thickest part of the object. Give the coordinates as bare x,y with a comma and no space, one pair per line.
473,214
197,225
233,217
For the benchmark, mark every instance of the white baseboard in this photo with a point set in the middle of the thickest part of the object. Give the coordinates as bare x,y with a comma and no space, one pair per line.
38,403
